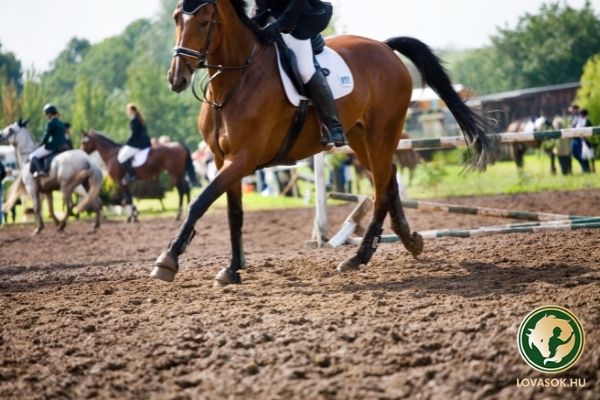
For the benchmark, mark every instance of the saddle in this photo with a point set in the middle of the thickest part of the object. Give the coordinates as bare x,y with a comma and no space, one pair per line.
46,163
327,60
333,67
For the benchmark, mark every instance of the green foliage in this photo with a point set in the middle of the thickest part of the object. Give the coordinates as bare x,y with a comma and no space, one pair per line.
10,69
32,103
432,174
589,94
547,48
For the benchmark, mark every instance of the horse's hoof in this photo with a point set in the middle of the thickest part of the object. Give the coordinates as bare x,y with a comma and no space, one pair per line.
36,232
165,267
227,277
62,226
350,265
417,245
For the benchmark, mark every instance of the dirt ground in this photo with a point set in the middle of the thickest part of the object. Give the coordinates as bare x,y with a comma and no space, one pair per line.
80,317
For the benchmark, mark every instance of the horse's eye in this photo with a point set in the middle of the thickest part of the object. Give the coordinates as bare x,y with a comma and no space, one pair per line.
204,24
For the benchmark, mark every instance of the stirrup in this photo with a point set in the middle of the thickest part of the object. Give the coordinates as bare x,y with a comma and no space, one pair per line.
326,140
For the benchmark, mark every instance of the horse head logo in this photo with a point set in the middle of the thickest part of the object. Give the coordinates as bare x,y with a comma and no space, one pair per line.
548,338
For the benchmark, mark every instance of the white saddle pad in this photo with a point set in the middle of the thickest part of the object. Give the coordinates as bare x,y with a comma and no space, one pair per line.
140,158
340,77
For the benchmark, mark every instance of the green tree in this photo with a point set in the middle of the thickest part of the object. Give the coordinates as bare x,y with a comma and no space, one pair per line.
546,48
549,48
11,107
589,94
10,69
33,99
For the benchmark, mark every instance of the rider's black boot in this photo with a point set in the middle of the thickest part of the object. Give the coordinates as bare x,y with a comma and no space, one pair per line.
129,173
36,167
319,92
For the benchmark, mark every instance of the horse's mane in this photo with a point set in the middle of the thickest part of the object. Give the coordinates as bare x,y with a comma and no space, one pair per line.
104,137
240,7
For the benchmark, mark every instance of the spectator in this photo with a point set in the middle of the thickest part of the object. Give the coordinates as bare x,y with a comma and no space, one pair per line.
562,149
577,144
68,135
588,149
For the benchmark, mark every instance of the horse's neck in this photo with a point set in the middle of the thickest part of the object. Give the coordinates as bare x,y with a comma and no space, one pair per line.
107,149
24,145
237,44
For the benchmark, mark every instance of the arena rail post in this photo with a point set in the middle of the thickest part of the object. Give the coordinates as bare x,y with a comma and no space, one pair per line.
320,227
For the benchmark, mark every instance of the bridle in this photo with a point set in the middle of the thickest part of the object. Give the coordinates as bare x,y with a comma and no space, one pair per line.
201,60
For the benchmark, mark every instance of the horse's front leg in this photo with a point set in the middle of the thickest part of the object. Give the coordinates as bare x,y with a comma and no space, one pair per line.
167,265
133,214
235,214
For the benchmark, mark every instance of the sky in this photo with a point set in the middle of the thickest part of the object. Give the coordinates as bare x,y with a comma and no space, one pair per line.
37,30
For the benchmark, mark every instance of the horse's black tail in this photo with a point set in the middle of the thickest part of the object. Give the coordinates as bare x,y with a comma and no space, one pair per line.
189,167
435,75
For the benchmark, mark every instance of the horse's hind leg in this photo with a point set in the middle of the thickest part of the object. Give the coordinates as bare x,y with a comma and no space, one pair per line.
37,212
379,165
183,189
235,214
50,201
412,242
67,192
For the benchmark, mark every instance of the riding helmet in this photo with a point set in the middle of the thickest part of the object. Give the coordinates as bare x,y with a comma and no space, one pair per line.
50,109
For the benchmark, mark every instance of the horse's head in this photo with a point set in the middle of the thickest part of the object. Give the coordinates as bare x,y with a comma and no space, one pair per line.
88,142
15,133
195,32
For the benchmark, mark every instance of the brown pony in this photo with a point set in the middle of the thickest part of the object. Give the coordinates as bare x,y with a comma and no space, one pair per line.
172,157
247,118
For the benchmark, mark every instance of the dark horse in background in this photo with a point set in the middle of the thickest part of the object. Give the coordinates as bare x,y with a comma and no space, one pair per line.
408,159
248,118
171,157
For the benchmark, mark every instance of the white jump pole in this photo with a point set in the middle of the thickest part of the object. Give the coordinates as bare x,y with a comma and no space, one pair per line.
320,224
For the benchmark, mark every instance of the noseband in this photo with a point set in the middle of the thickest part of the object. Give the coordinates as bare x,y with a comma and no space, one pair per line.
199,56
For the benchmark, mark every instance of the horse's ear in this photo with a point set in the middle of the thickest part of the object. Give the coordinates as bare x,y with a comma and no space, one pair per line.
20,122
26,122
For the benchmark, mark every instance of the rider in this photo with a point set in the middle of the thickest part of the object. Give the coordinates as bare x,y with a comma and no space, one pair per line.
53,142
138,141
299,21
68,135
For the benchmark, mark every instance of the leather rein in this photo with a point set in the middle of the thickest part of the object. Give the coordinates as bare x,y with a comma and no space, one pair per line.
201,58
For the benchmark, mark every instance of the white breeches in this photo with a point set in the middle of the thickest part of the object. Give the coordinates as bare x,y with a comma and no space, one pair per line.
40,152
126,153
303,51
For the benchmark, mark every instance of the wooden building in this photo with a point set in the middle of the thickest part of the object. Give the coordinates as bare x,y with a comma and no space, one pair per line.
509,106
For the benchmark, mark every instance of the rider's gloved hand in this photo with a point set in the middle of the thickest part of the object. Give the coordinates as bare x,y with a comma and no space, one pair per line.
270,33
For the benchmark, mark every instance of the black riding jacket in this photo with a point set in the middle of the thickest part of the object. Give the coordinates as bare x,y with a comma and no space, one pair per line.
139,135
303,19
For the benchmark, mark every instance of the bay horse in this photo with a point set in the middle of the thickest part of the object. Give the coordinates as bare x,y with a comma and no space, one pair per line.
246,119
69,171
170,157
406,158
